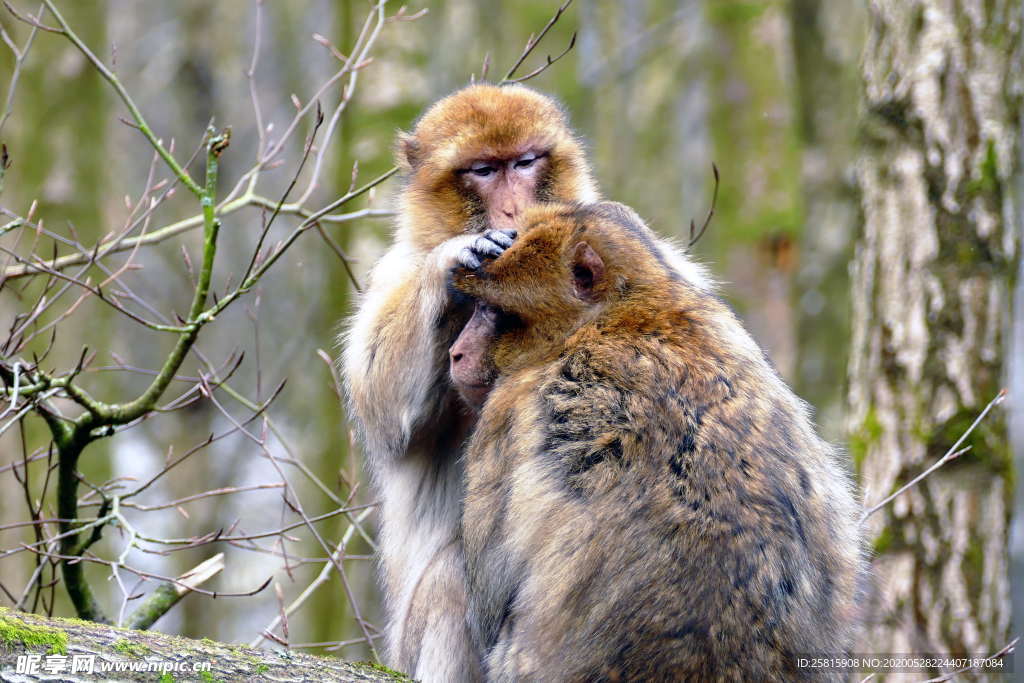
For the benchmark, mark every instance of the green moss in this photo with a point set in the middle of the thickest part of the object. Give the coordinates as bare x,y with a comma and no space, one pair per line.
986,181
884,541
166,677
206,676
990,167
130,649
989,445
15,632
387,670
973,565
862,438
262,669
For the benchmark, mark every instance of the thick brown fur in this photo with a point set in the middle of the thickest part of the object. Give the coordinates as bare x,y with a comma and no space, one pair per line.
408,417
646,499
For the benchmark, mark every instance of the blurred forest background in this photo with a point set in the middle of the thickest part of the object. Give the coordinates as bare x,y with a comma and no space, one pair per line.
867,231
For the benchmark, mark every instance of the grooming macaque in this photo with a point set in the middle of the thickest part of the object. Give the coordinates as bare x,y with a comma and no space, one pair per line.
473,163
646,499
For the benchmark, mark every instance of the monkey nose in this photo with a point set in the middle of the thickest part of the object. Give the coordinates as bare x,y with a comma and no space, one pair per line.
456,356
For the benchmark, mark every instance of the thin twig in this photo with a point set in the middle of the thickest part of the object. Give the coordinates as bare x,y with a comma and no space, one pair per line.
19,60
119,88
951,454
533,42
711,212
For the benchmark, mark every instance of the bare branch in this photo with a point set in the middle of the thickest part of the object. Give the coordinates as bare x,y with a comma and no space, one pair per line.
711,212
950,454
533,42
109,76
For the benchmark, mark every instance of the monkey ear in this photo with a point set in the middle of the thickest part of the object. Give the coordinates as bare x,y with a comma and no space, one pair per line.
587,272
407,151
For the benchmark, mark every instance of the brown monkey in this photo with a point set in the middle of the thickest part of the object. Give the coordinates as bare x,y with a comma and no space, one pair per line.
646,499
474,161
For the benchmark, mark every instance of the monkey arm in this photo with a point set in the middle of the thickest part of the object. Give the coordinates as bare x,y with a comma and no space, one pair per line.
395,367
395,358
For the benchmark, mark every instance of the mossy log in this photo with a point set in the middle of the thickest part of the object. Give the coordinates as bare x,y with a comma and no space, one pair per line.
119,654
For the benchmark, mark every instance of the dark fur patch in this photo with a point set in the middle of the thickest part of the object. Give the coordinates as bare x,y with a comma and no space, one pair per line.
805,481
587,419
612,451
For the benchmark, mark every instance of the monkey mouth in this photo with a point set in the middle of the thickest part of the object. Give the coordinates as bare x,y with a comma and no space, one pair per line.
475,387
474,395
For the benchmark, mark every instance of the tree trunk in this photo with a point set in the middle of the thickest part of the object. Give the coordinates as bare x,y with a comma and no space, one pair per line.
62,643
828,39
932,278
756,144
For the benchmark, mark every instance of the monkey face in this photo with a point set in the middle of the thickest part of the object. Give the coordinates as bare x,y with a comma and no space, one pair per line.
471,365
506,186
481,156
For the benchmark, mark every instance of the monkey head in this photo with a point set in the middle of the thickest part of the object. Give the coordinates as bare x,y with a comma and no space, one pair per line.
575,270
479,157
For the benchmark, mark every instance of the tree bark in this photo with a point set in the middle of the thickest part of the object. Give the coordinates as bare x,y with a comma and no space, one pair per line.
932,278
31,634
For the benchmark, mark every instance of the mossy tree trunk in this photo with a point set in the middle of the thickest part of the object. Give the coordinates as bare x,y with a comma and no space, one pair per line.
932,278
67,648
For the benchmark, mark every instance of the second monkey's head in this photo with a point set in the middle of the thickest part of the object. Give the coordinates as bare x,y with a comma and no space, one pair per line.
479,157
577,275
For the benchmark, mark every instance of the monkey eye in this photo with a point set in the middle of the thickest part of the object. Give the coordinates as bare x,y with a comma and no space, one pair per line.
526,160
482,170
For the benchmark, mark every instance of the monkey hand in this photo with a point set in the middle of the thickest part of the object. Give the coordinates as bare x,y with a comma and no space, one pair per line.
490,245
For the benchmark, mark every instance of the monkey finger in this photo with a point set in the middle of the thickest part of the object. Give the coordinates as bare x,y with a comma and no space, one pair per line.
502,238
468,259
485,246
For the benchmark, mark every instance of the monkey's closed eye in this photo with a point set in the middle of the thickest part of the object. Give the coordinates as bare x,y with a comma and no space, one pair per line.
526,160
503,321
482,170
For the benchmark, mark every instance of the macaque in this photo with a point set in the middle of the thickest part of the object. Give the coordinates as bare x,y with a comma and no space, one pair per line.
474,162
646,499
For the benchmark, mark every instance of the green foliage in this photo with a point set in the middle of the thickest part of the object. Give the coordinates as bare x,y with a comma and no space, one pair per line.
756,138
